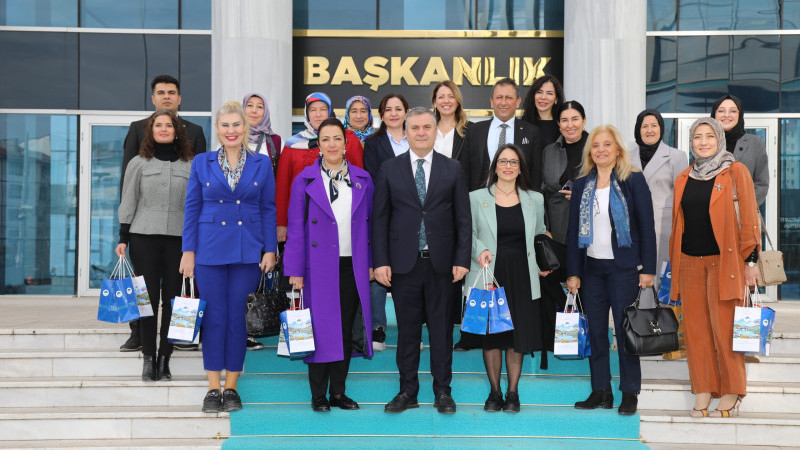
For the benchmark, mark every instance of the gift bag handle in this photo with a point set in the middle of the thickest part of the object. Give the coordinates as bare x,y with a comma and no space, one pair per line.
116,269
751,298
574,300
191,287
300,292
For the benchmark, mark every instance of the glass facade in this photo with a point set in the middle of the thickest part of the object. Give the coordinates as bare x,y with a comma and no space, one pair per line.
429,15
38,203
789,220
40,13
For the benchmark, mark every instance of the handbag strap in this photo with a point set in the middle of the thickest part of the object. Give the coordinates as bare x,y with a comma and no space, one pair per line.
736,201
764,229
655,296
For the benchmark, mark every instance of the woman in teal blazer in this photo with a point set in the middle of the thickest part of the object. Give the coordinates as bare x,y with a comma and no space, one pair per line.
505,218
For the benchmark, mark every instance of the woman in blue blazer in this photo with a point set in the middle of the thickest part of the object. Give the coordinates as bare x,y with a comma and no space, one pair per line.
611,253
229,237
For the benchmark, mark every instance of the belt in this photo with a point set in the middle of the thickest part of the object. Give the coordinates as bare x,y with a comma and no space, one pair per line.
424,254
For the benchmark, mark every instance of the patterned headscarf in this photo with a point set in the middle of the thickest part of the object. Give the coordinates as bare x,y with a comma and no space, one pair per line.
368,130
264,128
707,168
308,138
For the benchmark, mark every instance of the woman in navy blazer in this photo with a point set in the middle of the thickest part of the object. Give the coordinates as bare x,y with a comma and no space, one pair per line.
229,237
611,253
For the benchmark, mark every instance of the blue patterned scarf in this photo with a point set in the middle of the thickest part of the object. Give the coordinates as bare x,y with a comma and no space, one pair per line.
619,212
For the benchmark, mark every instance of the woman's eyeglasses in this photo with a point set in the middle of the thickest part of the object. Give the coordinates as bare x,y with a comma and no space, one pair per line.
508,162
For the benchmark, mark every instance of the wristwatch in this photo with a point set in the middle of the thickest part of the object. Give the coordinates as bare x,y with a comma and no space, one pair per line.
751,264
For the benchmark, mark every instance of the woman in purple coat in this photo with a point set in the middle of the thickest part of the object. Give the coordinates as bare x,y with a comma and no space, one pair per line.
328,252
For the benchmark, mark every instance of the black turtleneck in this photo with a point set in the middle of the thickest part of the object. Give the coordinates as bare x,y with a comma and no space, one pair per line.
574,153
165,152
646,154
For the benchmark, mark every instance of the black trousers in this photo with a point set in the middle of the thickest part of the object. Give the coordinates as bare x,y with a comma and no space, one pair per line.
423,295
319,374
157,258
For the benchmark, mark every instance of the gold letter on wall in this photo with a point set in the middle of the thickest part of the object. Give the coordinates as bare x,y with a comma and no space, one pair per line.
434,72
346,71
472,71
401,70
532,71
378,75
315,70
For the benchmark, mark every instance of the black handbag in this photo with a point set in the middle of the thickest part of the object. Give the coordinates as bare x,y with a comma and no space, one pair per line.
549,253
650,331
264,307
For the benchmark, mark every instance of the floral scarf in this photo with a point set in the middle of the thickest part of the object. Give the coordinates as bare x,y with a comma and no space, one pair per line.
340,174
307,138
368,130
619,212
231,174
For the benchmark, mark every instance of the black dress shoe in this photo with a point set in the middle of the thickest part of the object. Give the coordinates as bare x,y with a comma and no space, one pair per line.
133,344
231,400
149,368
212,403
495,402
597,399
253,344
343,402
163,368
512,402
627,406
186,347
320,404
400,403
444,403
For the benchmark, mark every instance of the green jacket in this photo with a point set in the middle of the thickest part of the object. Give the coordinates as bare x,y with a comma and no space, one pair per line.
484,232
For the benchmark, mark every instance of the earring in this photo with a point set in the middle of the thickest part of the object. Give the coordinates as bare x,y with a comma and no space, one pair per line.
320,153
344,151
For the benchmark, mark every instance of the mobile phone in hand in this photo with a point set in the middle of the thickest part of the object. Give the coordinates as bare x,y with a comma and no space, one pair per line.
567,186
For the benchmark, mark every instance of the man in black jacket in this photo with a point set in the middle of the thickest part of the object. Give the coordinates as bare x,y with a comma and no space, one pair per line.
421,243
481,143
165,95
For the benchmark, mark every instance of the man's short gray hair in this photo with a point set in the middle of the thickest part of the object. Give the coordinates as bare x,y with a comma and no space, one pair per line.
418,110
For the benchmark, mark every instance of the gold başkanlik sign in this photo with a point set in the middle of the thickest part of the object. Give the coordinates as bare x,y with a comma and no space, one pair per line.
344,64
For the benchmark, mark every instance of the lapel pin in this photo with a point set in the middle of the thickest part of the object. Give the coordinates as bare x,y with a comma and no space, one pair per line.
485,205
718,187
358,185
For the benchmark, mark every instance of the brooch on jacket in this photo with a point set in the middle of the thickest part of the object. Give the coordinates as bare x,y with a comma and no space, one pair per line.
718,186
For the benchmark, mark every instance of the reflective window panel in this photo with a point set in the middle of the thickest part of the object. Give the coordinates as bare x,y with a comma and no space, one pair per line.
195,73
745,66
661,73
789,222
337,15
204,122
439,15
116,69
790,74
791,14
40,13
38,203
40,70
669,132
520,15
661,15
104,222
196,14
729,15
129,14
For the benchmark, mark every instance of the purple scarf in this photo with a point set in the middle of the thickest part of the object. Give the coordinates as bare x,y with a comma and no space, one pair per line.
264,128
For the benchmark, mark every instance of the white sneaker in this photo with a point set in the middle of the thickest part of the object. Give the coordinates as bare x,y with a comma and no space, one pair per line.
378,340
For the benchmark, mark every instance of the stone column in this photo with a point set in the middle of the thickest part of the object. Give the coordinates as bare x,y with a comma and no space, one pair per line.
605,59
251,51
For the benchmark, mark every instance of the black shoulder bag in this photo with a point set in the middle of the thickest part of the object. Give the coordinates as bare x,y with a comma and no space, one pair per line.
650,331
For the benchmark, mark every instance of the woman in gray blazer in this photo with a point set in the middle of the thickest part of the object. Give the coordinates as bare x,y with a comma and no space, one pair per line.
748,149
505,218
660,164
151,222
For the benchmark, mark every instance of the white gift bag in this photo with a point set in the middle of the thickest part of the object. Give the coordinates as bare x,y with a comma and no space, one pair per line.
298,331
187,316
751,326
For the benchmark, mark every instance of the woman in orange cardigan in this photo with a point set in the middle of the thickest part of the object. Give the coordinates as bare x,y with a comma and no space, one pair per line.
712,261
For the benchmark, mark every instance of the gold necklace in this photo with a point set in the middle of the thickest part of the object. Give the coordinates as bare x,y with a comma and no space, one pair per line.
513,191
603,185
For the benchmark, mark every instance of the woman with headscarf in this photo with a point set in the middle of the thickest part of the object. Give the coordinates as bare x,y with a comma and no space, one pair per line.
611,254
542,106
660,164
358,117
712,262
748,149
302,150
261,138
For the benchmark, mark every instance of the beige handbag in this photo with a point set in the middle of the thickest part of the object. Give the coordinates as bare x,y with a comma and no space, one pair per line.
770,262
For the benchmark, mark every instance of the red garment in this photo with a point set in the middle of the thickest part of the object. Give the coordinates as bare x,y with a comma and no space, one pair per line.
294,160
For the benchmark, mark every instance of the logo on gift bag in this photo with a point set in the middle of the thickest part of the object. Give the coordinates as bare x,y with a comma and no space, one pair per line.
483,304
200,314
283,325
129,291
501,301
298,321
472,302
669,275
105,292
765,322
119,293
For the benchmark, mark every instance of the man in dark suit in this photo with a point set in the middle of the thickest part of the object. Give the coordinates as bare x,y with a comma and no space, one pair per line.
165,95
421,242
484,138
482,141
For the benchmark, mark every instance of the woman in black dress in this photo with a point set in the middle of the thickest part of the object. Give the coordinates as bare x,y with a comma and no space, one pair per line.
505,218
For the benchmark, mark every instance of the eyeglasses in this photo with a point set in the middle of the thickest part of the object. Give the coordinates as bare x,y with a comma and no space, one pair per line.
508,162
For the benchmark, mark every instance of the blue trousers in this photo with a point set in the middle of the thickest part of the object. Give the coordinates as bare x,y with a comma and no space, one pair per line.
605,285
377,299
225,289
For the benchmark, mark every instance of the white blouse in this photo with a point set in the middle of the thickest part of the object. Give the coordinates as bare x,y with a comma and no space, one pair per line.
342,212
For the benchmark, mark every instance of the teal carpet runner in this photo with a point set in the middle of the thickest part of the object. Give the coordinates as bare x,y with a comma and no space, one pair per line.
277,411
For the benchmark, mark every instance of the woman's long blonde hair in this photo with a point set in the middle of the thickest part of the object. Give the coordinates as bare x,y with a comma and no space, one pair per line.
461,115
233,107
623,166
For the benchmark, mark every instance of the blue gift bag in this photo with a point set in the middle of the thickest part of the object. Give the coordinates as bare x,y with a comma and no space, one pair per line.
665,285
476,307
108,311
499,314
572,331
187,316
126,298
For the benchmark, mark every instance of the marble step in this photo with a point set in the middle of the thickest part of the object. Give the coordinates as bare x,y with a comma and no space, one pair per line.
89,363
748,429
782,368
126,422
116,444
63,339
762,397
